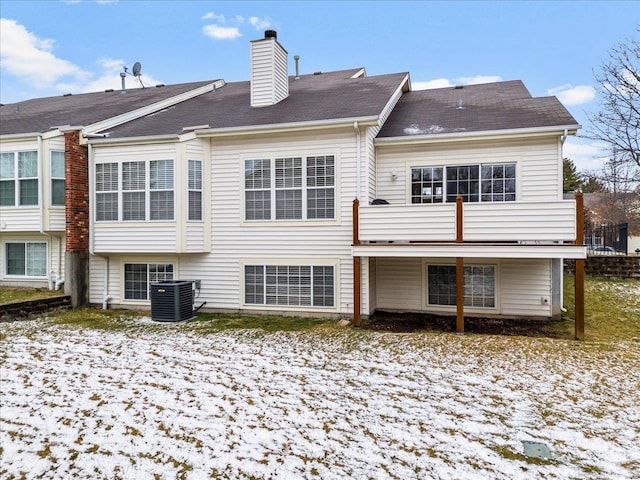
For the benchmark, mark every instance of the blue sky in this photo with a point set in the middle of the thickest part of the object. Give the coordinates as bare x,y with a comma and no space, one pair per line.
70,46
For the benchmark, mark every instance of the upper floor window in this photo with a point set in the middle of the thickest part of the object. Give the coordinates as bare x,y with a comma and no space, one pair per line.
474,183
19,178
195,189
57,178
290,188
135,191
27,259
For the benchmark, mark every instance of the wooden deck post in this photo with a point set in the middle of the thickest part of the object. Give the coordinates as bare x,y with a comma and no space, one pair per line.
357,276
459,269
579,270
357,321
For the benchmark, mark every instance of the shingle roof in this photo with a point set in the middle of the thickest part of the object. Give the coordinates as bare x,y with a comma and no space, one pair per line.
315,97
41,114
485,107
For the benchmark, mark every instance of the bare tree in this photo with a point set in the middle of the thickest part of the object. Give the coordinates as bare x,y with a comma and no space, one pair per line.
617,123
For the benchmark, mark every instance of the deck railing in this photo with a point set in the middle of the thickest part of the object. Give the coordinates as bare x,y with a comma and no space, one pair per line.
539,221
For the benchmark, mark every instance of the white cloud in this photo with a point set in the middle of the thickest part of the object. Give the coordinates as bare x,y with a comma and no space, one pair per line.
107,78
437,83
570,95
586,154
30,58
260,23
213,16
478,79
445,82
221,33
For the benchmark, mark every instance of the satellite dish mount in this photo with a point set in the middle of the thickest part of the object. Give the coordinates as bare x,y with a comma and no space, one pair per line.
137,67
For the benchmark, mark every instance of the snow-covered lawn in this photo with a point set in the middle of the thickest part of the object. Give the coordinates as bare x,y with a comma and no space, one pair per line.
162,401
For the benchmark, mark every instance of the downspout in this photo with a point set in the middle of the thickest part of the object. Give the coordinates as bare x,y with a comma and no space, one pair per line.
50,276
563,138
356,260
105,293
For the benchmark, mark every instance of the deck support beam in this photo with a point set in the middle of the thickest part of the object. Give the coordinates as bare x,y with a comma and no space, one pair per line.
459,269
357,266
579,270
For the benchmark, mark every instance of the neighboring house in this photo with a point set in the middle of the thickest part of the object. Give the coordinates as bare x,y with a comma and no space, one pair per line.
37,177
250,188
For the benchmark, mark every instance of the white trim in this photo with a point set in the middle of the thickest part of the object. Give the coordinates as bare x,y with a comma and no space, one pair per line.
469,250
475,135
152,108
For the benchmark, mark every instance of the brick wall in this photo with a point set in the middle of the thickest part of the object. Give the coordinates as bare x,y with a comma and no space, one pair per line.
610,266
76,169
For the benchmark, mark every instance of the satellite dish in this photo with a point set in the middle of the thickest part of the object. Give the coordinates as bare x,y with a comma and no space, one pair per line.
136,69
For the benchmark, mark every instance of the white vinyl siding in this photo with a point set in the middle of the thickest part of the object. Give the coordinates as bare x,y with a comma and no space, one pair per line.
18,178
269,77
290,188
57,178
536,163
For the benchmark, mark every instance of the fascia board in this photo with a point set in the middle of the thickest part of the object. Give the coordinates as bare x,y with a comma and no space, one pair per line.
135,140
395,96
19,136
288,127
479,135
469,250
149,109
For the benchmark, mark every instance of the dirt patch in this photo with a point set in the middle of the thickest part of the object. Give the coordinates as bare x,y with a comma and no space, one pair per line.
417,322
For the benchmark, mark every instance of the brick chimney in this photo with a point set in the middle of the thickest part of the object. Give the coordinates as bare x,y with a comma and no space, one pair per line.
269,76
76,199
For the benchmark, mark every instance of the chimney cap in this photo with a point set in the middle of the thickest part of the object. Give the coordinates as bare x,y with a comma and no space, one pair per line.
271,34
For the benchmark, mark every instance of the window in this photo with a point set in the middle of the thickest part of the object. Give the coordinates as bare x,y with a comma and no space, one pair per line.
474,183
27,259
19,178
289,285
57,178
290,188
463,181
138,277
426,185
144,196
499,183
479,285
195,189
106,192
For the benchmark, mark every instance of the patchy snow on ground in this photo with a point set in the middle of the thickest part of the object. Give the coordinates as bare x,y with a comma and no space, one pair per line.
170,403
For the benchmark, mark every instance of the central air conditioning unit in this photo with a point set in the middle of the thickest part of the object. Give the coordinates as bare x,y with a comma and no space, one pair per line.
172,301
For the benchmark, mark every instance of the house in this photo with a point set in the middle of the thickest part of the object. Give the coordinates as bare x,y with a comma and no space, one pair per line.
337,194
38,176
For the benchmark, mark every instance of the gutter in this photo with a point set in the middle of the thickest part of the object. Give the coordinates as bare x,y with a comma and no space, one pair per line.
481,134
